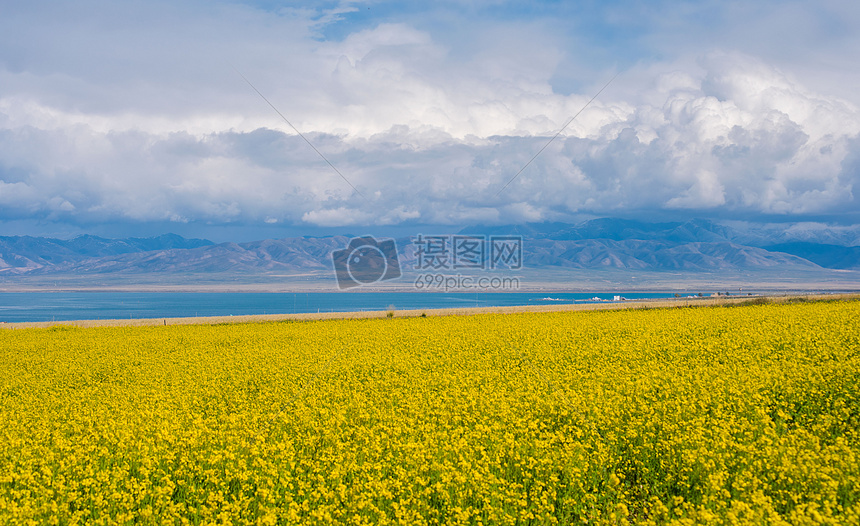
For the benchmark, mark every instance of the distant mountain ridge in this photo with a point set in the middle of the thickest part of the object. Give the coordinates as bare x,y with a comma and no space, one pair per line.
601,243
655,255
27,252
638,244
824,255
694,230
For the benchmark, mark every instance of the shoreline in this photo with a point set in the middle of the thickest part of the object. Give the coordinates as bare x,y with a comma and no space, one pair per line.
543,280
463,311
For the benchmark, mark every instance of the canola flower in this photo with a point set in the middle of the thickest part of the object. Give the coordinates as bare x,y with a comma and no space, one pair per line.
746,415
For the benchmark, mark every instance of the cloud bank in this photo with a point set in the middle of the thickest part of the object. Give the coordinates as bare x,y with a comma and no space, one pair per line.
133,112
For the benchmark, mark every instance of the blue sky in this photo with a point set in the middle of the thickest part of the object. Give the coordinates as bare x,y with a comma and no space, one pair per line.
129,117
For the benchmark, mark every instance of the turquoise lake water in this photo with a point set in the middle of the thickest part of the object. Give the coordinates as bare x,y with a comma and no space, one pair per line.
65,306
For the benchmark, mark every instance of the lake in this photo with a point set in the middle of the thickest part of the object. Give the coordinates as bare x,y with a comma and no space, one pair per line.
65,306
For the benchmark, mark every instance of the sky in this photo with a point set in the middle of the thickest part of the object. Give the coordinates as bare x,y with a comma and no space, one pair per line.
240,120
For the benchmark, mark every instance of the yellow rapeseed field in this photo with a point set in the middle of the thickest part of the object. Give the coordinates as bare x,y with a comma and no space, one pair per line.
747,415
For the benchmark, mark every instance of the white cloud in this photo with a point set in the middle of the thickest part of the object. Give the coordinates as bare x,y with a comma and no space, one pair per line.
706,192
153,125
340,216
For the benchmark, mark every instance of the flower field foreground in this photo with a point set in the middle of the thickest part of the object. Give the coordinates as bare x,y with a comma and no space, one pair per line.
747,415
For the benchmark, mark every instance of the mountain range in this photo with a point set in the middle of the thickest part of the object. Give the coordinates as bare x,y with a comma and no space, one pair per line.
601,243
694,244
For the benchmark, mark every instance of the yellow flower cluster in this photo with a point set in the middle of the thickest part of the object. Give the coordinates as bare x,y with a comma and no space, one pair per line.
672,416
